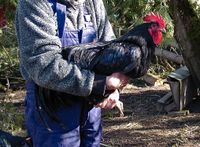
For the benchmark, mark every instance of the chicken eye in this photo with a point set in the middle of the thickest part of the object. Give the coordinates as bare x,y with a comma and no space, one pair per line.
154,25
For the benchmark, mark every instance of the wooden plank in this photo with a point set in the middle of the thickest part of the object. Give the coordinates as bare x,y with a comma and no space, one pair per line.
171,107
166,98
179,113
169,55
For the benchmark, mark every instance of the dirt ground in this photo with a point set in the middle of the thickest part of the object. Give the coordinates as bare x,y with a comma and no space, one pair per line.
144,126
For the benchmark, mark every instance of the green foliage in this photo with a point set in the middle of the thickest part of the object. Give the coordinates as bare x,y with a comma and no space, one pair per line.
9,58
124,14
11,118
9,6
12,112
8,2
194,27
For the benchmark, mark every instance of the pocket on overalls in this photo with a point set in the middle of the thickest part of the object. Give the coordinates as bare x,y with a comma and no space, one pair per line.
60,139
70,38
88,33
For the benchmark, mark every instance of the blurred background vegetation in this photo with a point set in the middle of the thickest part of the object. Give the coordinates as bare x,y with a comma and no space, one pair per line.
9,57
11,113
123,14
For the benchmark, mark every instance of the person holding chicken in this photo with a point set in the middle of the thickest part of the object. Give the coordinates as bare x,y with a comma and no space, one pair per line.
74,67
63,100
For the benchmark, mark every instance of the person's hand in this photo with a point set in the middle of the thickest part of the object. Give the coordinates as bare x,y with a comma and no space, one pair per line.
116,81
111,101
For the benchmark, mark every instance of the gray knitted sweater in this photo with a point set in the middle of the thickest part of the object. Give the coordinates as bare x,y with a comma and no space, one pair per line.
40,48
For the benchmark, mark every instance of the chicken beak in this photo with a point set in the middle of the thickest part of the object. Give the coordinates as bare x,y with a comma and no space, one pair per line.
163,30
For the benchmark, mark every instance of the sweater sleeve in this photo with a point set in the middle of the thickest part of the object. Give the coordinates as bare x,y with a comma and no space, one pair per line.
104,27
40,51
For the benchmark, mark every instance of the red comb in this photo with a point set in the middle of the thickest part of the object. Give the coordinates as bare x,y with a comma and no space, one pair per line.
152,17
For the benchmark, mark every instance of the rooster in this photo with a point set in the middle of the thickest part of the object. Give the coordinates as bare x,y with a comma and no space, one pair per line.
130,54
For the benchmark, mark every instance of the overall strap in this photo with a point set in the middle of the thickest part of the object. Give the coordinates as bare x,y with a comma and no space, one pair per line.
59,10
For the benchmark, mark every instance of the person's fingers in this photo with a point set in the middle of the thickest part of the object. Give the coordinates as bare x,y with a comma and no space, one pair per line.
107,104
124,80
98,105
103,104
116,80
123,83
111,104
112,82
112,100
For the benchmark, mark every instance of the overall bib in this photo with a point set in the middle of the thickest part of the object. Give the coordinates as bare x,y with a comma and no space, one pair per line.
81,125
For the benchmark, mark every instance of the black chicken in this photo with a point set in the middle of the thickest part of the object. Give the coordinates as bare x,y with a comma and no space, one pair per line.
130,54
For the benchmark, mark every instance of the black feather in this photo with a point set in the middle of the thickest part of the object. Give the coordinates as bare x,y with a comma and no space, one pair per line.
131,54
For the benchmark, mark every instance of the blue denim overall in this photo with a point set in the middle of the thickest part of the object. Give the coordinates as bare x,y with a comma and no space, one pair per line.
82,126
